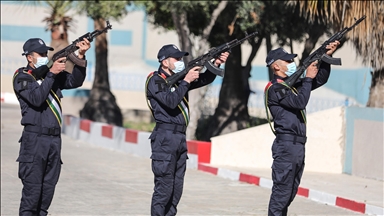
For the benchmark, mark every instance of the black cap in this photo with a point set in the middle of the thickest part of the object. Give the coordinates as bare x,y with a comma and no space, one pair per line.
278,53
35,45
170,50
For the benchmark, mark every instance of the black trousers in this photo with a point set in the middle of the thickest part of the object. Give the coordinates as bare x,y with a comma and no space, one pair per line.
169,156
287,169
39,170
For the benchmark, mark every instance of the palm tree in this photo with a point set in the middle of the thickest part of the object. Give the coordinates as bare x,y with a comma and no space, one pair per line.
368,36
59,23
101,105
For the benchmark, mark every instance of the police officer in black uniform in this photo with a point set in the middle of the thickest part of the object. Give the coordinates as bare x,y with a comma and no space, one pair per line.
40,145
169,107
288,110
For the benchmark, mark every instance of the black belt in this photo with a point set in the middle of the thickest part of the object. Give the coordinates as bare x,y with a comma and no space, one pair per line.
43,130
292,138
173,127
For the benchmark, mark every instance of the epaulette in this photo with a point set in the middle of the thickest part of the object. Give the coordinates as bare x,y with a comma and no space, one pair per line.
24,70
161,84
23,80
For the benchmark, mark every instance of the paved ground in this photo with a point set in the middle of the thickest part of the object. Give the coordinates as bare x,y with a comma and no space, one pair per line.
97,181
355,188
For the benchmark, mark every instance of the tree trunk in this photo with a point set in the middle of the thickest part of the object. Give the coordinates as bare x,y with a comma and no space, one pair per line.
181,24
195,96
376,97
248,67
232,112
101,105
269,48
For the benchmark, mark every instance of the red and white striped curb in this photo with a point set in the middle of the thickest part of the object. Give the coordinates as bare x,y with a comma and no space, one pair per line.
311,194
107,136
127,140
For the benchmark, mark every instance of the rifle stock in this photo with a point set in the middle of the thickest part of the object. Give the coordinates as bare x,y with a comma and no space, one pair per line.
320,54
44,69
206,60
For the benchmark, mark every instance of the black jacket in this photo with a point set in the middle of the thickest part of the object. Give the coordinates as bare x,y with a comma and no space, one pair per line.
164,101
285,108
33,96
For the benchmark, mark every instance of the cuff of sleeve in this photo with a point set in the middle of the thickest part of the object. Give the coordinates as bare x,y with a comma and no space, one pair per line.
183,82
307,79
50,74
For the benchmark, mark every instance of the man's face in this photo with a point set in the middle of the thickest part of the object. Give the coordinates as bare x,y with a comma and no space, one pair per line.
34,55
280,67
170,62
284,64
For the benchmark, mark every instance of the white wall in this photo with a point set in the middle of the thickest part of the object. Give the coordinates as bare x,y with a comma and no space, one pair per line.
252,147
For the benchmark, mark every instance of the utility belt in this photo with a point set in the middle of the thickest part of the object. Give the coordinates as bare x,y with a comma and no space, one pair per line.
292,138
173,127
43,130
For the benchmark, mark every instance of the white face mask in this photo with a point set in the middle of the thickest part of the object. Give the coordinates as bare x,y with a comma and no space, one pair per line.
41,61
291,68
179,66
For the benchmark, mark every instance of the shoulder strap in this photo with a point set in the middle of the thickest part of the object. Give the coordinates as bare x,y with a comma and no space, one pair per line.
20,70
267,87
150,75
267,111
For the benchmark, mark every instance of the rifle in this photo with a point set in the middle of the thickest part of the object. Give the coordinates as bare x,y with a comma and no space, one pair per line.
67,51
320,54
206,60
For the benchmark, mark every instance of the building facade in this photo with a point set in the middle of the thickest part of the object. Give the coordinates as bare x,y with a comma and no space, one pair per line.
133,45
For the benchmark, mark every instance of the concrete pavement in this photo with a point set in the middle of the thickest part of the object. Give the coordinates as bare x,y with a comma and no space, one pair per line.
99,181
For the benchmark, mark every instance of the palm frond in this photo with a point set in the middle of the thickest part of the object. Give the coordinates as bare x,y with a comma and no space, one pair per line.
58,15
367,37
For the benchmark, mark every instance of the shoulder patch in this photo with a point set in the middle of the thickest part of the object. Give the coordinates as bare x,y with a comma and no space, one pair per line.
23,79
161,85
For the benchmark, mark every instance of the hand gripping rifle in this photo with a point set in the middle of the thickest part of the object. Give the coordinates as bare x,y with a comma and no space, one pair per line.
320,54
206,60
69,52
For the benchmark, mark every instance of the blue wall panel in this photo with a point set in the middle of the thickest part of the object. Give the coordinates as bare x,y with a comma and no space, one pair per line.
23,33
354,83
120,38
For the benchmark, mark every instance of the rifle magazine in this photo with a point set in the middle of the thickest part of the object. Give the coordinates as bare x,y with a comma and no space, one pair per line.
215,70
77,61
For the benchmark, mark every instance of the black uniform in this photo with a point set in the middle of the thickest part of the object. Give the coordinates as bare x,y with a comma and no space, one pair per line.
168,142
40,145
288,149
